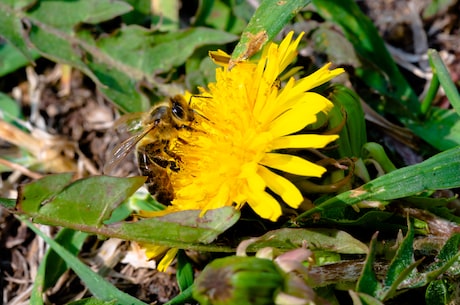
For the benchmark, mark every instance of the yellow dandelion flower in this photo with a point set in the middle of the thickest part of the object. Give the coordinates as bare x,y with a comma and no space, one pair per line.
245,119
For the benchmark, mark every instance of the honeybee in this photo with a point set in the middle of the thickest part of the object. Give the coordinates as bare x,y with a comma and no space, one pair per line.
155,132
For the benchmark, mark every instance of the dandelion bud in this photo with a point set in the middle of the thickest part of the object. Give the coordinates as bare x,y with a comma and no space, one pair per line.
238,280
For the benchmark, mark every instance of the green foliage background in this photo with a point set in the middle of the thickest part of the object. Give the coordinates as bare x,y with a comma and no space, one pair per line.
160,47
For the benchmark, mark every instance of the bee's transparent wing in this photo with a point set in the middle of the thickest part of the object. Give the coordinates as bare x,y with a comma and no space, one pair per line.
129,123
123,149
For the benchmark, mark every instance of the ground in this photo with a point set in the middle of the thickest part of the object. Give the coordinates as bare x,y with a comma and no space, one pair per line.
76,118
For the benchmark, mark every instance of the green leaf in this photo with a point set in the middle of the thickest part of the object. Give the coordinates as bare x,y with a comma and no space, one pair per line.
98,286
11,58
378,70
327,40
185,297
140,14
92,301
122,62
318,239
406,275
199,69
373,220
88,202
54,265
438,172
353,134
53,36
184,271
32,195
445,263
242,9
437,206
141,200
12,31
119,86
19,4
270,17
219,14
367,282
441,128
9,109
444,79
448,256
363,299
59,46
437,293
403,258
67,14
181,229
152,52
377,152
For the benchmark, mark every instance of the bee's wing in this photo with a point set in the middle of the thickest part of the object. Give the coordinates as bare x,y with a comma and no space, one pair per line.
130,122
123,149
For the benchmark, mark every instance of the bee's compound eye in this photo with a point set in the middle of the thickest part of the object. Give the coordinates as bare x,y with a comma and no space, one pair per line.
178,110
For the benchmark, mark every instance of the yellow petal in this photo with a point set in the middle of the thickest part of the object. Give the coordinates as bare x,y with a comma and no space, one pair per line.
292,164
319,77
265,205
292,120
152,251
220,57
220,199
167,259
254,181
316,102
282,186
288,50
303,141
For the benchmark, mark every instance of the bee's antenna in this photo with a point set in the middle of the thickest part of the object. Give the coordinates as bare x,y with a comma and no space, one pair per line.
194,110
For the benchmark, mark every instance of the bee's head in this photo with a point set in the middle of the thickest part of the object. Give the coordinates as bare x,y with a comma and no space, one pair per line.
182,114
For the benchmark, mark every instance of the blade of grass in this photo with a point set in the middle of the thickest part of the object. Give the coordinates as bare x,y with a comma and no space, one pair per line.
367,281
353,134
98,286
184,271
438,172
267,21
53,266
444,79
183,298
430,94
